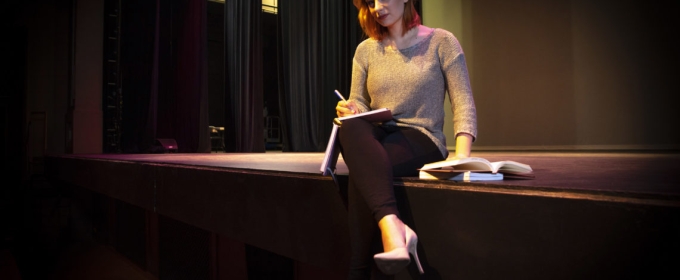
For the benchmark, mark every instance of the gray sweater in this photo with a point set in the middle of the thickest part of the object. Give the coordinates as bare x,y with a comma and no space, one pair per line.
412,82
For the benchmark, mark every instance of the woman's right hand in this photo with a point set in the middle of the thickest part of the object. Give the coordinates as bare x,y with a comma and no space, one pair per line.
345,108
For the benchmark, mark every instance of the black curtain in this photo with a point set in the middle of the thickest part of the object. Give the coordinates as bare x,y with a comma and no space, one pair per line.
183,87
164,68
317,39
137,47
244,129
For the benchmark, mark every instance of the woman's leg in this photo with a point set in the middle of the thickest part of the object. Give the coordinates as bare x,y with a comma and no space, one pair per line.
369,165
360,140
374,156
364,237
409,149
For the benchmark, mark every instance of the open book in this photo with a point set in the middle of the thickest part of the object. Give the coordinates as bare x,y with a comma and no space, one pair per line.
332,152
450,168
377,115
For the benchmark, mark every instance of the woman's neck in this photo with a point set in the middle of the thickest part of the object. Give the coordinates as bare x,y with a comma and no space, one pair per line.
399,40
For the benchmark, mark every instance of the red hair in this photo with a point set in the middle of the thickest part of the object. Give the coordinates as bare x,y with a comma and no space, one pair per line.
376,31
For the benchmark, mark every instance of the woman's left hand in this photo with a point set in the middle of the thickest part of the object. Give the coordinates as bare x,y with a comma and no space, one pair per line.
463,145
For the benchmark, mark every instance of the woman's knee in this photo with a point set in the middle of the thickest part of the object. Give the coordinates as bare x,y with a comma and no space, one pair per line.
353,128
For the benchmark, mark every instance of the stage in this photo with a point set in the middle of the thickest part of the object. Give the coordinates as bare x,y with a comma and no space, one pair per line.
584,215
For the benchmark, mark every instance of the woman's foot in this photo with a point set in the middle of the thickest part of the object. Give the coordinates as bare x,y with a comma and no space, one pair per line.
398,241
392,232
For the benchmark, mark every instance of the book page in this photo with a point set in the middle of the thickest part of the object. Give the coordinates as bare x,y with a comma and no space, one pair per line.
509,166
467,164
377,115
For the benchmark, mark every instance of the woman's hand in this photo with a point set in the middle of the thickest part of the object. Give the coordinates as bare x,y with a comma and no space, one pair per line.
463,145
345,108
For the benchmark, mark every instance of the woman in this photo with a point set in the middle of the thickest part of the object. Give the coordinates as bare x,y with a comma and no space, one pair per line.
408,68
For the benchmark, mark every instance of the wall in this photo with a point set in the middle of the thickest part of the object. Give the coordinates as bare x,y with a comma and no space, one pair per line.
47,79
46,76
87,116
566,75
449,15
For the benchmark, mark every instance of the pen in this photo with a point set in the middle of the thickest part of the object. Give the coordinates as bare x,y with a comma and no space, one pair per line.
350,106
339,95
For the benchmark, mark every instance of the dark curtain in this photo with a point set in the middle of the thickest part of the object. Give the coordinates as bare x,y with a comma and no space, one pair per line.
152,112
137,48
164,82
244,129
316,46
184,101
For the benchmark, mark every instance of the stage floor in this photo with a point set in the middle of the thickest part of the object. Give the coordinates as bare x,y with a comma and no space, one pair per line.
633,173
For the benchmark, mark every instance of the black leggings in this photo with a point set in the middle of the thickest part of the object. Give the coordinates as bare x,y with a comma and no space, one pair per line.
374,155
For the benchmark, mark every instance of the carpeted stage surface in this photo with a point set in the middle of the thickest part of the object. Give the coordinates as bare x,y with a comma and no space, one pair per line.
633,173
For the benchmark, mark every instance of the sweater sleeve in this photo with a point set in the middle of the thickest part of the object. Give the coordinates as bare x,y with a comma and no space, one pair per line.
458,87
358,89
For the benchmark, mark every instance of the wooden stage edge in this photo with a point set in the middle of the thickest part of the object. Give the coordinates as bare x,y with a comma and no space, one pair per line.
585,215
648,178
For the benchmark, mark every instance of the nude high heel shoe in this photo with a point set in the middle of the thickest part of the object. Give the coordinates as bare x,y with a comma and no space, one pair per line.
394,261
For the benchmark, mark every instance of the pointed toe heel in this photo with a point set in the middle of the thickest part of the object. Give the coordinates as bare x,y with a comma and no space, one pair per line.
394,261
